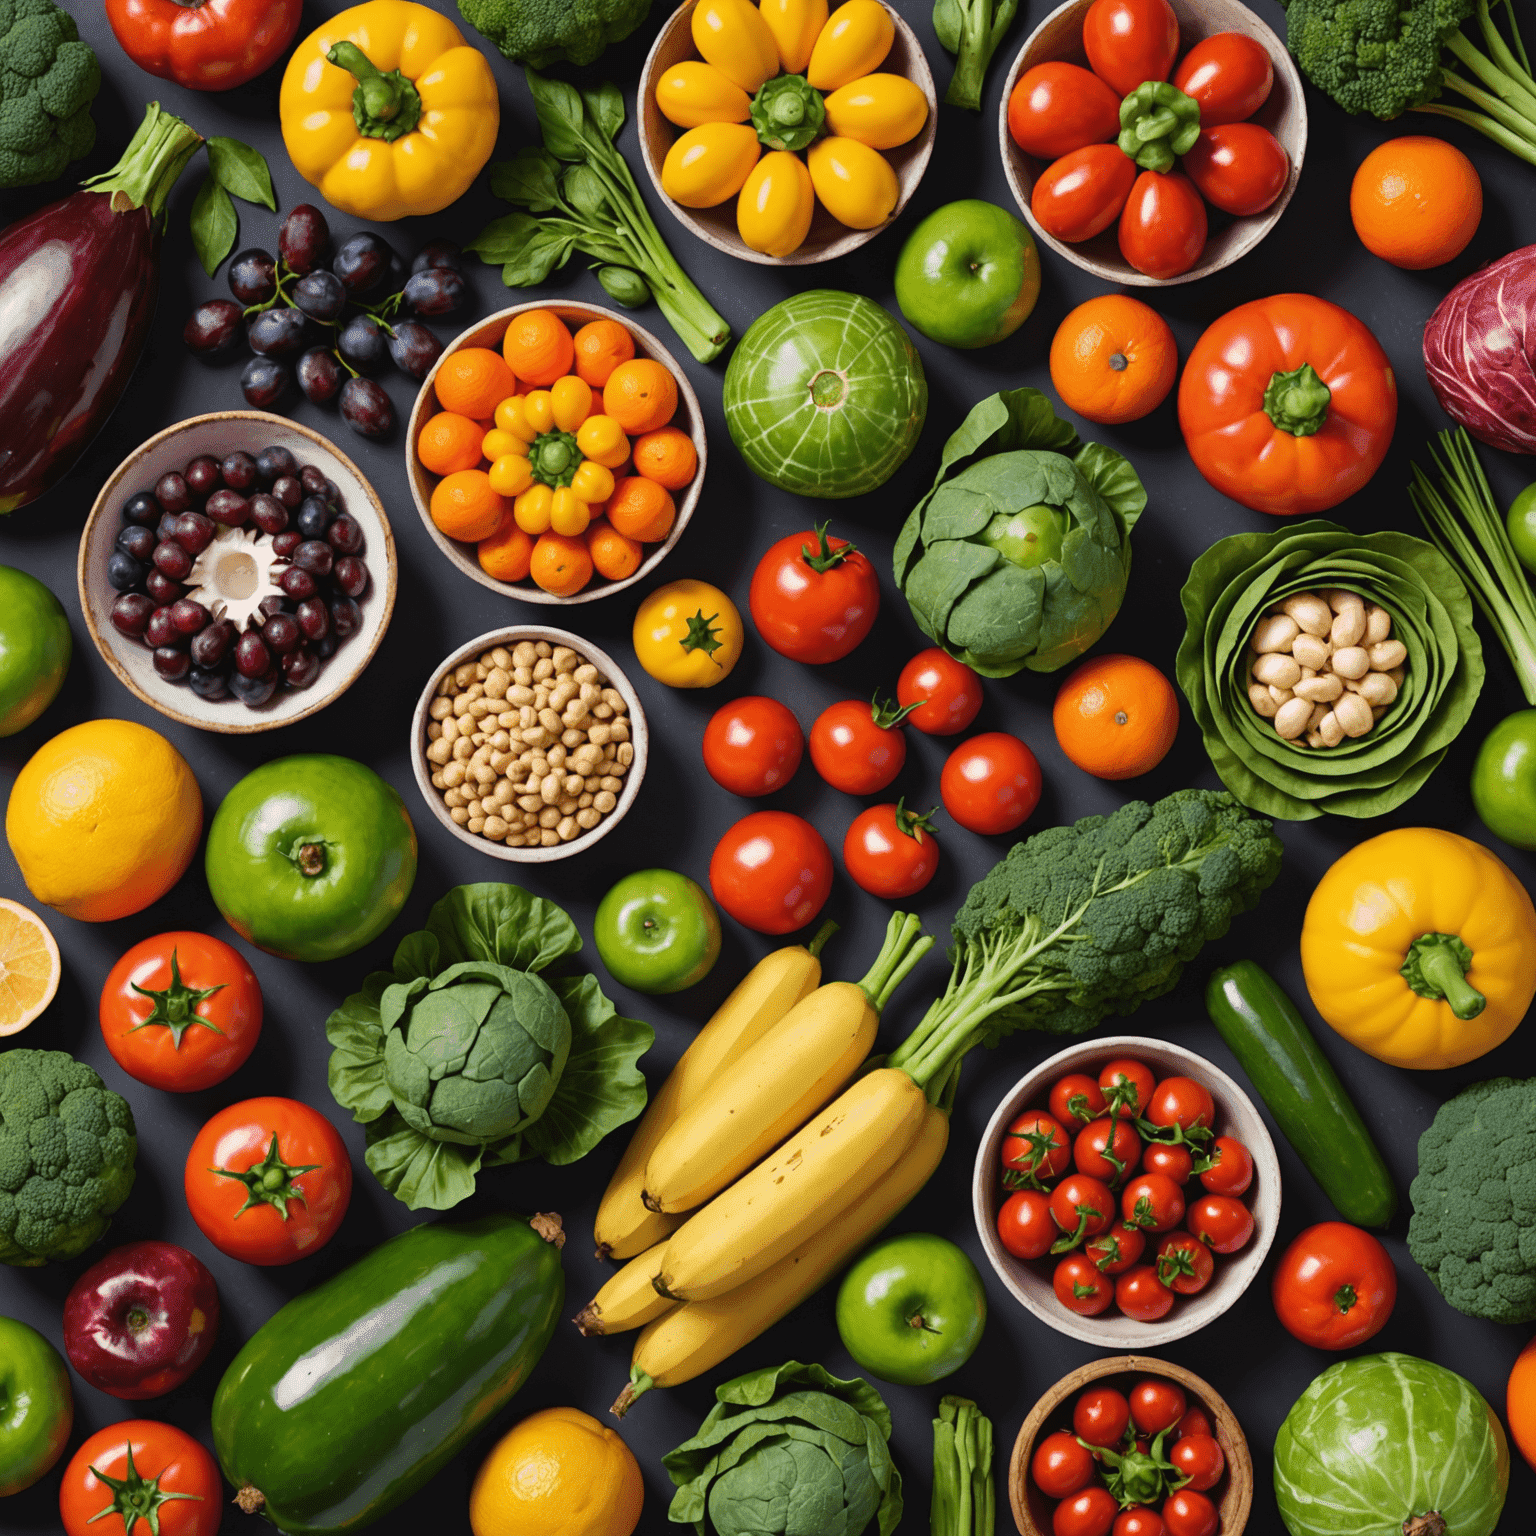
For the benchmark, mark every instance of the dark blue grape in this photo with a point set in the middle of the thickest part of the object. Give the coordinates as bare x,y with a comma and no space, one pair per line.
143,509
320,375
124,573
414,348
362,262
137,541
364,344
320,295
263,382
212,327
304,239
314,517
366,408
253,277
276,332
272,463
437,291
208,685
253,691
439,253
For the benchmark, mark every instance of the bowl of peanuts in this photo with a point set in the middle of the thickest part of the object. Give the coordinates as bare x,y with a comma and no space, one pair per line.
529,744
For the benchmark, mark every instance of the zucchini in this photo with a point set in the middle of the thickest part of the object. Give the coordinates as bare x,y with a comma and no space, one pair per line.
1269,1037
355,1393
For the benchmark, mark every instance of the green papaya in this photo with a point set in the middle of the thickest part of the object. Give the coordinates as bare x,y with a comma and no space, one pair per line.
355,1393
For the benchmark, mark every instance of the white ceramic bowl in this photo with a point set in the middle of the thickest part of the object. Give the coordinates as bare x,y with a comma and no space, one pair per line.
218,434
1031,1281
471,651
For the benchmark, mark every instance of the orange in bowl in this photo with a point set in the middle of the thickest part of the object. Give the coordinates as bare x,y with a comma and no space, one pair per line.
666,456
473,381
641,395
600,346
538,346
465,507
449,442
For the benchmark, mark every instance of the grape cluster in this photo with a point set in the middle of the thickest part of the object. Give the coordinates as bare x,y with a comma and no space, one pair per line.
294,311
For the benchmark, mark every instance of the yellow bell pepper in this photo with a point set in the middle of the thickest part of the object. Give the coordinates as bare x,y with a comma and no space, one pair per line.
692,93
388,111
709,164
855,183
688,634
1419,947
777,203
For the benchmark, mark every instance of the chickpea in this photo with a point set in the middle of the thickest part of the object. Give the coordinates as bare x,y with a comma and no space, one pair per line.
1275,632
1291,719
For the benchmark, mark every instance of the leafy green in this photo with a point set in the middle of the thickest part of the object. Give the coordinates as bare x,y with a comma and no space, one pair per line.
964,1501
971,30
466,1054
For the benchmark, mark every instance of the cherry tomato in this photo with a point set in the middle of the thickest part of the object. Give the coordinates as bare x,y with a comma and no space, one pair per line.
1081,1288
1238,167
1057,107
1090,1512
1024,1225
1082,194
1227,1169
1163,224
1060,1466
1183,1264
1082,1207
1100,1416
1076,1099
1153,1202
1117,1249
181,1011
1194,1422
268,1180
943,694
1169,1158
890,851
158,1470
1220,1222
1183,1102
1140,1294
772,872
1128,41
1155,1403
1036,1148
1200,1459
990,783
858,747
1189,1513
1335,1286
1139,1521
1127,1085
752,746
1229,75
813,598
1109,1149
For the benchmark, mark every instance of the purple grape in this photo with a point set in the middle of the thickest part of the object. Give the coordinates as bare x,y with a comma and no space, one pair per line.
272,463
327,648
314,618
268,513
414,348
315,556
438,253
263,382
228,507
172,492
166,527
282,633
345,535
130,613
124,573
364,344
276,333
188,617
253,691
304,238
271,605
172,560
202,476
351,575
161,587
362,262
137,541
298,584
239,470
436,291
284,544
314,517
171,664
253,277
159,630
300,668
346,617
142,509
212,328
320,375
211,646
366,408
194,533
252,658
320,295
289,489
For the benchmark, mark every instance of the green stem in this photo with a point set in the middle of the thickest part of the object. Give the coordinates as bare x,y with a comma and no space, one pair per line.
383,106
269,1182
905,944
972,59
156,155
135,1498
1297,402
1522,127
1499,81
823,933
1436,968
176,1007
1485,126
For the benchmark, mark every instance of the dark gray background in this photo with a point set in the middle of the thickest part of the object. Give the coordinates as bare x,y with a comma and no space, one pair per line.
1245,1355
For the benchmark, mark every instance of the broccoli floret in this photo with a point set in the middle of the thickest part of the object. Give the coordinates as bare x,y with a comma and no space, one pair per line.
67,1148
48,80
1473,1230
544,32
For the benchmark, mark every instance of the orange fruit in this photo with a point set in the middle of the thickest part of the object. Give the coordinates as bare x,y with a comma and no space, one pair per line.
666,456
641,395
449,442
473,381
507,553
1113,359
561,563
538,346
465,507
641,509
1116,717
601,345
613,555
1416,202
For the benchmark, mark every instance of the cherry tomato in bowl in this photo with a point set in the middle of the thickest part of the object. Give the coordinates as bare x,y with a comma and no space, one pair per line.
1127,1084
1163,225
1183,1264
1100,1416
1140,1294
1156,1403
1222,1223
890,851
1240,168
1089,1512
122,1473
1138,1520
1082,1287
858,747
1227,1169
1199,1459
1181,1102
772,872
1229,75
1024,1224
1189,1513
1129,41
1107,1149
1036,1148
1083,1207
1076,1099
1060,1465
752,746
1153,1202
942,694
813,598
1058,107
1083,193
1117,1249
991,783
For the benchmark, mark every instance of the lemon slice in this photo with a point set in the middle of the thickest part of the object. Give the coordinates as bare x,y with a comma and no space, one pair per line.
29,967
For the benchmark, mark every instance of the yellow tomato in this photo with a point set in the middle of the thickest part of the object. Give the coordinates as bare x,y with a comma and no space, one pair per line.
855,183
773,213
708,164
602,439
568,513
881,111
539,410
688,634
732,35
510,418
510,474
495,443
592,482
531,510
692,93
795,25
570,402
853,43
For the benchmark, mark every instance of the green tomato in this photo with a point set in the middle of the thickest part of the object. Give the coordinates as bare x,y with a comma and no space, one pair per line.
912,1310
1522,526
657,931
1504,780
1027,538
34,649
311,857
37,1409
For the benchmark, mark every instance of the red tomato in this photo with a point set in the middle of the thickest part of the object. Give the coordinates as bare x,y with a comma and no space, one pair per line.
1227,1169
1182,1102
1081,1288
990,783
1156,1403
1183,1264
772,872
1024,1225
1228,74
1163,224
1335,1286
890,851
1128,41
1220,1222
1100,1416
1140,1294
752,746
213,46
943,694
1189,1513
1108,1149
1056,108
1081,194
268,1181
1153,1202
159,1467
1127,1085
1169,1158
858,747
1060,1466
1088,1513
1200,1459
813,598
1238,167
1036,1147
181,1011
1116,1250
1194,1422
1082,1207
1139,1521
1076,1099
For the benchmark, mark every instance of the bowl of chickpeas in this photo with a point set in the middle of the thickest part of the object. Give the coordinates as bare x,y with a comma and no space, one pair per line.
529,744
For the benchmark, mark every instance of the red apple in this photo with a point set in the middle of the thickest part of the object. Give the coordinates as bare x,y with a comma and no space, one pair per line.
141,1320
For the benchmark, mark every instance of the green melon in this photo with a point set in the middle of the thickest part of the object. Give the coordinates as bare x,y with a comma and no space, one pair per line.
825,395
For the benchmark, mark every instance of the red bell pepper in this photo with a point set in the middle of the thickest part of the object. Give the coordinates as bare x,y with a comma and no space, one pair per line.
204,45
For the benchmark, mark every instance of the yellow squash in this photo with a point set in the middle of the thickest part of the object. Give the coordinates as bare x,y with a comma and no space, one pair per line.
856,184
1419,947
776,205
629,1300
692,93
881,111
709,164
853,44
795,25
732,35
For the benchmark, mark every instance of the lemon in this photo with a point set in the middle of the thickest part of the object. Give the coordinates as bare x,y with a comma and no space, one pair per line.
104,819
29,967
558,1473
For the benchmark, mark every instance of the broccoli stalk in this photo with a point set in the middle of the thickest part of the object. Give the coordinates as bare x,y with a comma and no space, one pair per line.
971,30
1508,116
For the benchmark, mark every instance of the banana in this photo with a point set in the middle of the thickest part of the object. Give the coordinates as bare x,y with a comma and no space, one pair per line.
696,1336
818,1173
763,997
629,1300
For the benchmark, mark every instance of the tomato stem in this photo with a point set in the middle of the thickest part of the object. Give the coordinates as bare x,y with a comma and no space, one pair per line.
1344,1298
1297,402
136,1498
176,1007
269,1182
826,558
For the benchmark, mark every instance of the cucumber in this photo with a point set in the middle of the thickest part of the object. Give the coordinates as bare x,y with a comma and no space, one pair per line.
355,1393
1271,1040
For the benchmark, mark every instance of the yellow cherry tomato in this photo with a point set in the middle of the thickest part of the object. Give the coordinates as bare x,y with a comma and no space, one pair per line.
539,410
510,474
602,439
855,183
531,509
495,443
732,35
853,43
570,402
692,93
568,513
510,418
708,164
688,634
881,111
774,211
592,482
795,25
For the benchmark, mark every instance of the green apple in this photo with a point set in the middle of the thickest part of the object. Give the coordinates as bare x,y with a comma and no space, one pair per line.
37,1407
34,649
912,1309
968,275
657,931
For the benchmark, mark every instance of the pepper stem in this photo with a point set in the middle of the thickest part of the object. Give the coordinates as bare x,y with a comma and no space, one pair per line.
1436,968
383,106
1297,402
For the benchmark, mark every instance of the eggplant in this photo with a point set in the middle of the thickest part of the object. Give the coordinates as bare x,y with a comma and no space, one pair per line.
78,281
